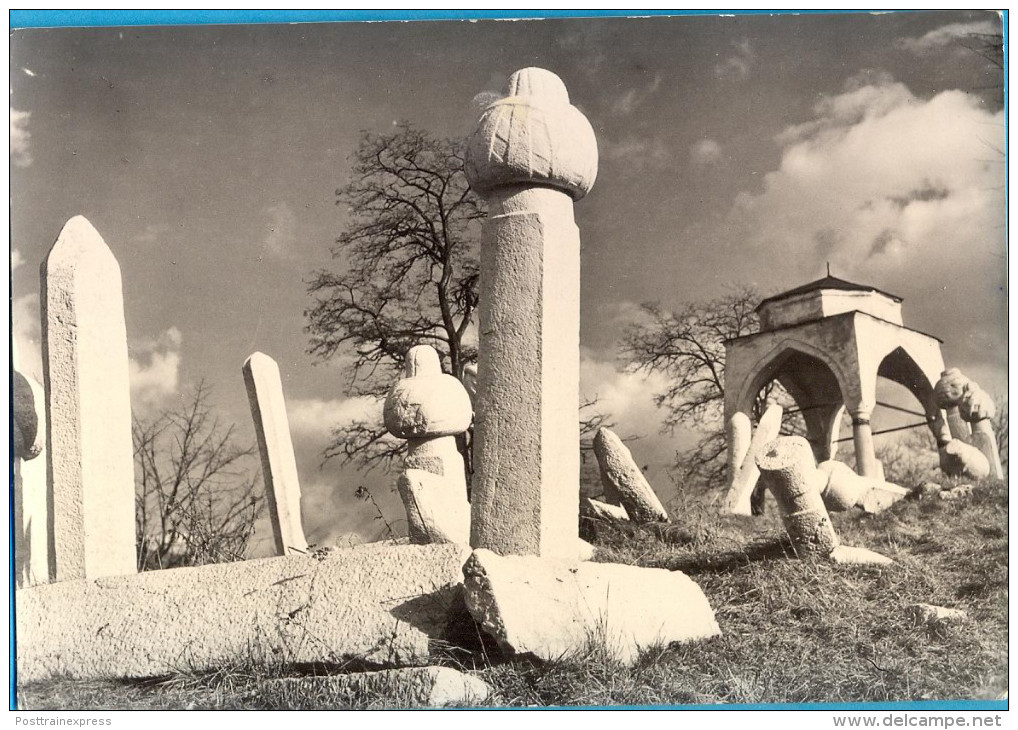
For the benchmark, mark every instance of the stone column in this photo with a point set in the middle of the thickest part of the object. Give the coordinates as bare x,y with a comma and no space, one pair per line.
862,434
279,466
90,459
531,155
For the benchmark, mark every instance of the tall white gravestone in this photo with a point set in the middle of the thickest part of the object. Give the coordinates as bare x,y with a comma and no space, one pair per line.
531,155
90,460
279,466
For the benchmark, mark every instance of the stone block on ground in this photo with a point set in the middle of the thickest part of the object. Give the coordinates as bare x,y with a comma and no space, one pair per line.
409,687
926,613
621,477
845,555
880,496
437,510
384,606
598,510
959,492
958,458
555,608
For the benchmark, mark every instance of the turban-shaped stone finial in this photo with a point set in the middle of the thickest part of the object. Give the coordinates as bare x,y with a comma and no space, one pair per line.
976,404
426,402
533,136
950,388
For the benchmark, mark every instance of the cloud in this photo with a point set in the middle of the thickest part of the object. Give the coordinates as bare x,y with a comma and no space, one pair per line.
316,417
636,153
895,190
21,155
635,97
282,231
948,35
739,65
705,152
154,369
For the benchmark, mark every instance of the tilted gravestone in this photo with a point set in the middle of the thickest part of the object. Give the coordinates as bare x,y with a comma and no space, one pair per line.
90,458
531,155
279,466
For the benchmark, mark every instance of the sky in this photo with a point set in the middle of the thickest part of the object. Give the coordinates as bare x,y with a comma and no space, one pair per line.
746,150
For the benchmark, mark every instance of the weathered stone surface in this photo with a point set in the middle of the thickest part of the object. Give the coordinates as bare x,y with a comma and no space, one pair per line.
845,488
88,409
978,408
738,436
929,489
438,455
384,605
426,401
621,477
530,155
745,479
552,608
411,687
32,551
532,135
958,458
788,470
279,466
948,394
881,496
436,507
929,614
845,555
595,509
963,490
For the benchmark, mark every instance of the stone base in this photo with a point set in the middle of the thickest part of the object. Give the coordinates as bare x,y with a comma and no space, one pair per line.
414,687
554,608
384,606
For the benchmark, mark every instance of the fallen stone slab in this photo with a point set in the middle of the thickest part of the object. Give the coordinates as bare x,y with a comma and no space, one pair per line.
385,606
927,613
411,687
556,608
621,477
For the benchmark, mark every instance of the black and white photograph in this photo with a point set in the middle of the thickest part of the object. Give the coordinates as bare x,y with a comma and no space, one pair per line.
473,362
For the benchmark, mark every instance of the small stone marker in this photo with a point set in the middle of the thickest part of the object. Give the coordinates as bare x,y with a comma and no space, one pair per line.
410,687
623,479
90,457
32,560
531,155
958,458
745,479
846,489
978,409
555,608
279,466
788,470
926,613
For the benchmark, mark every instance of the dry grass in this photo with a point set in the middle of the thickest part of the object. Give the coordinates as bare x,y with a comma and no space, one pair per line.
794,631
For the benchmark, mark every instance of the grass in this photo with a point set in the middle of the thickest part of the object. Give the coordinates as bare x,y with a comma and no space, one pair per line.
794,631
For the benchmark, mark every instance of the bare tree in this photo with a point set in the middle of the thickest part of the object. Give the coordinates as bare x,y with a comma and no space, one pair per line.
409,274
198,495
687,346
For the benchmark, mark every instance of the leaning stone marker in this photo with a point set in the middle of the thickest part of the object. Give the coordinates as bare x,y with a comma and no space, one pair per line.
744,480
621,477
279,466
531,155
435,512
978,409
90,456
556,608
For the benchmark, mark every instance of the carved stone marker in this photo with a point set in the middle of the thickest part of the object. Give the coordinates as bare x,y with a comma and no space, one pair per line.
279,466
745,479
32,560
623,479
531,155
948,392
90,456
978,409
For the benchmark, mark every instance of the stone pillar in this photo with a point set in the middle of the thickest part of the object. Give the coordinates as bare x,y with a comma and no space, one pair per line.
32,559
862,434
745,479
789,471
738,435
279,466
90,459
531,155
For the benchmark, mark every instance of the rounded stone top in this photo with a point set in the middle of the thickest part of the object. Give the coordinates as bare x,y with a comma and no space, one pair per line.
427,402
976,404
950,389
534,136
